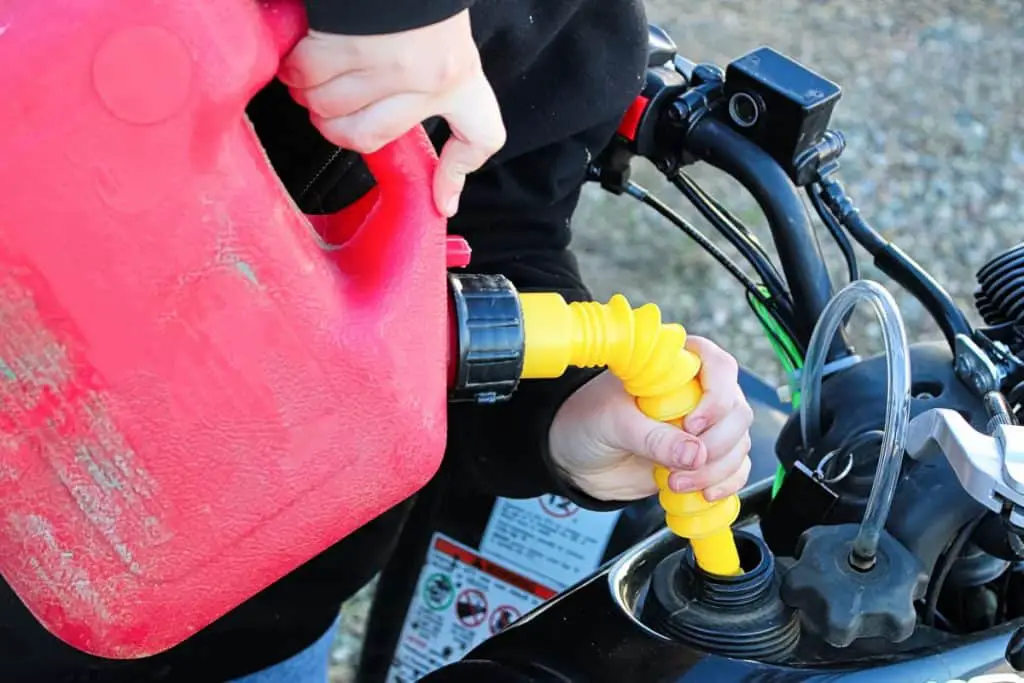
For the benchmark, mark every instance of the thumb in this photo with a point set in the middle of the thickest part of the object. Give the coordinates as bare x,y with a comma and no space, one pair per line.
457,161
662,443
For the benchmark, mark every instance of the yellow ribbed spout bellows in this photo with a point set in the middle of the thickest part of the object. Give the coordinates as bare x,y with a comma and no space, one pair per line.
654,365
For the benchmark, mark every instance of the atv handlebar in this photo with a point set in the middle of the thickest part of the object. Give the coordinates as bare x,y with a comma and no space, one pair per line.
717,143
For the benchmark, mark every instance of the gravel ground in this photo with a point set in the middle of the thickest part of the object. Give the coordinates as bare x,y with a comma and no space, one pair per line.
931,111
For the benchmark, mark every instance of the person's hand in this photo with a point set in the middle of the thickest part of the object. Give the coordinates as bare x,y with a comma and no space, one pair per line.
608,448
364,91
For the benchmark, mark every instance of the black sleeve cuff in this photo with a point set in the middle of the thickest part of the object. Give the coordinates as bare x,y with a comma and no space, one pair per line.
358,17
518,463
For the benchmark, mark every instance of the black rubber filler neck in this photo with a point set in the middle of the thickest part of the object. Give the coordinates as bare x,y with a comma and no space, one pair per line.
734,616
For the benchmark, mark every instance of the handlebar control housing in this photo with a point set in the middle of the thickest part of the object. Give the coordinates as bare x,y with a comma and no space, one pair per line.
779,104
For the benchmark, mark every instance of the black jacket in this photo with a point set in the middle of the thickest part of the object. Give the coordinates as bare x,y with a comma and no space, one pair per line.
564,72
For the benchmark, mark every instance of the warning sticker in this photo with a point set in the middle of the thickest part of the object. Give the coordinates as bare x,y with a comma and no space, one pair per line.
558,507
438,591
461,599
471,608
502,617
549,539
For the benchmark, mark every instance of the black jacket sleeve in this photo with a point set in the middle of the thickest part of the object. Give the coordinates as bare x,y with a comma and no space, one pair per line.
560,111
362,17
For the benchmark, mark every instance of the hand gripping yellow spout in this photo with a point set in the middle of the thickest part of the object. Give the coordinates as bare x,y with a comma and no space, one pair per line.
651,360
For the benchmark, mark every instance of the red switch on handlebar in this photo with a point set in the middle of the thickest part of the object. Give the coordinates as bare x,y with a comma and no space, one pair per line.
631,120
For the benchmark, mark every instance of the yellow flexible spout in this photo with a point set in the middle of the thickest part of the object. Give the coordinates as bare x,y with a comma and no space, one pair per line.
651,360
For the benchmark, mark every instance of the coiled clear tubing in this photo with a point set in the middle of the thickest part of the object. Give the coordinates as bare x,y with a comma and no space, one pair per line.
897,401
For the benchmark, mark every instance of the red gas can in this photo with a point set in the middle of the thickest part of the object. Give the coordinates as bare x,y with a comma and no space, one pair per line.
197,394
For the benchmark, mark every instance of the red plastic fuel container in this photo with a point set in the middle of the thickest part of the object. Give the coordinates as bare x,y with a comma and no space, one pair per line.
197,393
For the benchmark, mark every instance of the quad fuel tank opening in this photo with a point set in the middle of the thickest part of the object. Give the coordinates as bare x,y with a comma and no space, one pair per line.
736,615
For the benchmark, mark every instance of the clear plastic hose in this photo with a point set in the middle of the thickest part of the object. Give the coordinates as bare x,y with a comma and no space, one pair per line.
897,404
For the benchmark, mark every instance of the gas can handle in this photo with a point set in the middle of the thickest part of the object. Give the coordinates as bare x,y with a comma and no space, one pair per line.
404,168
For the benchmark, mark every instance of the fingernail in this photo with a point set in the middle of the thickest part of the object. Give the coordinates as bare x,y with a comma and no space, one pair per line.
686,454
680,483
712,495
697,425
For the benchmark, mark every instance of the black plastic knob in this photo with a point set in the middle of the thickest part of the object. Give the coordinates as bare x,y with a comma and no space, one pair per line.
842,603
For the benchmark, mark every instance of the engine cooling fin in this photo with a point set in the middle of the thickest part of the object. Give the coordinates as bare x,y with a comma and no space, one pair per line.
999,297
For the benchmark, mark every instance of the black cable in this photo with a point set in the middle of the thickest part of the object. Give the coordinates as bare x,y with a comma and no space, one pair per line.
892,261
733,220
740,238
729,215
838,236
1003,595
948,560
947,624
640,193
799,252
775,336
743,240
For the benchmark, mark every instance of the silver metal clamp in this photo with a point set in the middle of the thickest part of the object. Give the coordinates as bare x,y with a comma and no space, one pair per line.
990,468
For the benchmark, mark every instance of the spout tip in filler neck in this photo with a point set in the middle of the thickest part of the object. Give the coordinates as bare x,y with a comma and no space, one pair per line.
738,615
